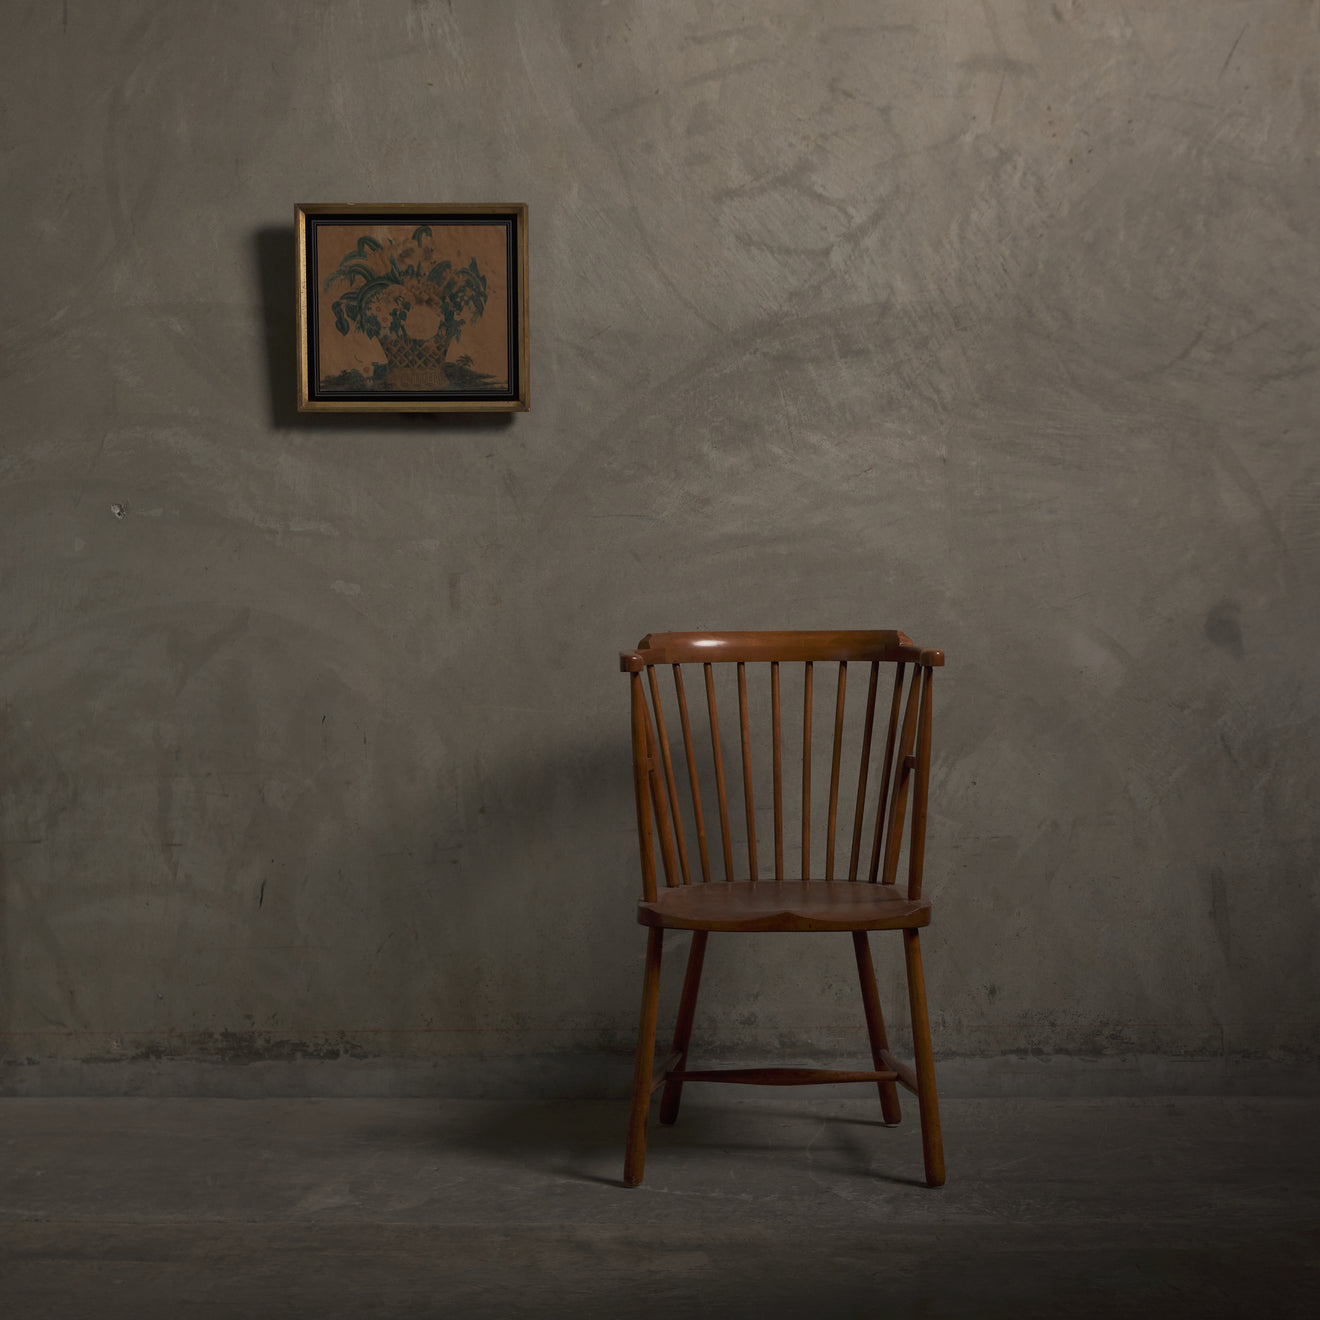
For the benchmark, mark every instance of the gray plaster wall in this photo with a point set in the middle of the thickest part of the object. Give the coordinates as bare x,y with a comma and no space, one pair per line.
996,322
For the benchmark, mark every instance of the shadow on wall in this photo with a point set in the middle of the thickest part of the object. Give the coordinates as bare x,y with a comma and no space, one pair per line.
36,793
6,959
447,933
293,859
492,941
273,254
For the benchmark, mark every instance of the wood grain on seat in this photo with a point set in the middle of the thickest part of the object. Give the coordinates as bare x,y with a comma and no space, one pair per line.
761,905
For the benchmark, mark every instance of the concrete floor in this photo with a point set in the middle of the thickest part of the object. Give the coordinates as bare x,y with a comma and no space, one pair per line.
756,1204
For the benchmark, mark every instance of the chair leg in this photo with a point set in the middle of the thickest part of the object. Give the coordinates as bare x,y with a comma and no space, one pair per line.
875,1024
687,1009
634,1160
932,1144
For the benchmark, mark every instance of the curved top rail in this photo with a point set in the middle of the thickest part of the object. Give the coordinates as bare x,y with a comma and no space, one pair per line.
700,647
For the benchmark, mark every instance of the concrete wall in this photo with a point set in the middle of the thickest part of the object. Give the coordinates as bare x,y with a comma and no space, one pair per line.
996,322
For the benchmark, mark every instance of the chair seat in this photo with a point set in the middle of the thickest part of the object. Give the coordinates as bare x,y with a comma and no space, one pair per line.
760,905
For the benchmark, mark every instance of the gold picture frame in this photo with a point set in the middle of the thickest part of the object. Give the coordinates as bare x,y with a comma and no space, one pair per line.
386,294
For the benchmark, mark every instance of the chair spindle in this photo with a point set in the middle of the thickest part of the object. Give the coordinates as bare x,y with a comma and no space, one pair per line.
671,788
902,781
691,756
917,845
641,778
747,771
863,770
882,802
832,818
806,771
658,801
778,769
713,714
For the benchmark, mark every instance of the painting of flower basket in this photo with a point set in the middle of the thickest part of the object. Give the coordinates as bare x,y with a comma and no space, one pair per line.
412,308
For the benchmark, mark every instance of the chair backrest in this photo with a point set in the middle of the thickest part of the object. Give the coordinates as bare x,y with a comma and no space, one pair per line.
668,809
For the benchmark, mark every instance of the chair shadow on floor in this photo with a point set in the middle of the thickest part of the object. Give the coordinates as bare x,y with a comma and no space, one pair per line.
577,1140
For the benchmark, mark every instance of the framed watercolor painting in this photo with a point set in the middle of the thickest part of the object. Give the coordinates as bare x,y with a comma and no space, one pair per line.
412,308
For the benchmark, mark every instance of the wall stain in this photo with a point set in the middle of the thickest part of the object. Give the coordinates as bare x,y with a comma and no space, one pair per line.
1223,629
188,653
239,1047
1219,909
1232,50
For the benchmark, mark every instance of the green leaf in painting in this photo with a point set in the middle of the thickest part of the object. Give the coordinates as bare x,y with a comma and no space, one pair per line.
361,271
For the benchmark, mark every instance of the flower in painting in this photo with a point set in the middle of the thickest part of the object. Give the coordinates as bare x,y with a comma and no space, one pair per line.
406,292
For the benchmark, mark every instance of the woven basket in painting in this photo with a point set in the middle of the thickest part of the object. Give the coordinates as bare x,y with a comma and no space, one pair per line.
415,364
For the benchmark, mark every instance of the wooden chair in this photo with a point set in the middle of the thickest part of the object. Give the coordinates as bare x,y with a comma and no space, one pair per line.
858,899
